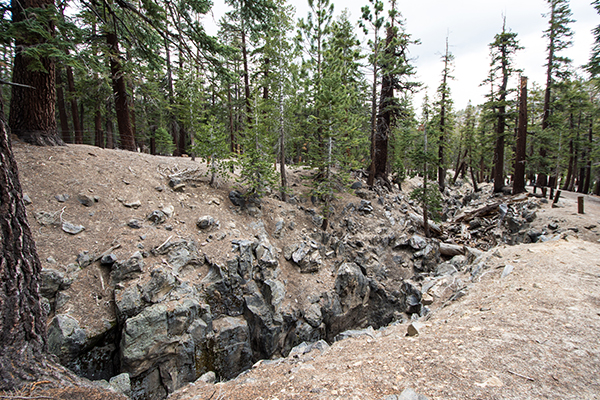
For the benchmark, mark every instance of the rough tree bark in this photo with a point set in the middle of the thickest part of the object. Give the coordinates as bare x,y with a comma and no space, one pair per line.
519,177
120,91
23,329
384,117
32,109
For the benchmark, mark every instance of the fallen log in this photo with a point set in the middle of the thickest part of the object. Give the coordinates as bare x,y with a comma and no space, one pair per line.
435,228
451,250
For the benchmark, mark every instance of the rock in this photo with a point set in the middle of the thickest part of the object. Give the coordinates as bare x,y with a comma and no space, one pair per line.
534,235
412,298
278,228
265,320
157,217
129,269
65,337
237,198
507,270
85,259
426,299
46,218
313,315
133,204
417,242
26,199
305,348
61,198
231,351
160,285
52,282
121,383
72,228
85,200
356,185
180,253
205,222
553,226
415,328
365,207
445,268
307,257
134,223
174,182
266,254
108,259
209,377
409,394
128,302
145,339
352,286
168,211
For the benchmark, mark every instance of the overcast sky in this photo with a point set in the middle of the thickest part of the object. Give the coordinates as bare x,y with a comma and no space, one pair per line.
470,26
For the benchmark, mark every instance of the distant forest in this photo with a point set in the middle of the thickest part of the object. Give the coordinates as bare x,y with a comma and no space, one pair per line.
270,91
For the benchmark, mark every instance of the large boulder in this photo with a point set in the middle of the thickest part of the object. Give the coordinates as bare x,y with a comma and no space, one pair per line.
352,286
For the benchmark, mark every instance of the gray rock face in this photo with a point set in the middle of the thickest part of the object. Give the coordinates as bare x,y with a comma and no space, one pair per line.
160,285
65,337
121,383
145,339
129,269
352,286
180,253
264,318
231,349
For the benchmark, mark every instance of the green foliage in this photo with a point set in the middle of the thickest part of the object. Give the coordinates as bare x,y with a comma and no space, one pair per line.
211,146
164,142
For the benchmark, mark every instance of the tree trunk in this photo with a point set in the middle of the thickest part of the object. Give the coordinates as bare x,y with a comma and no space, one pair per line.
120,90
77,126
32,110
98,132
23,331
520,153
110,143
62,110
588,167
385,115
567,185
246,78
542,176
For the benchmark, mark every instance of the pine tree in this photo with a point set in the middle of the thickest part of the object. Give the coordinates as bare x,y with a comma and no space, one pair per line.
502,49
559,38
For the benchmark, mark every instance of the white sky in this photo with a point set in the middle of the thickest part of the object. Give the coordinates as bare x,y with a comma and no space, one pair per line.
471,26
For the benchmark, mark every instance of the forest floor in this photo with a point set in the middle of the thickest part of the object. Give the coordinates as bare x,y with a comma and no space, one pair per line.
531,334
